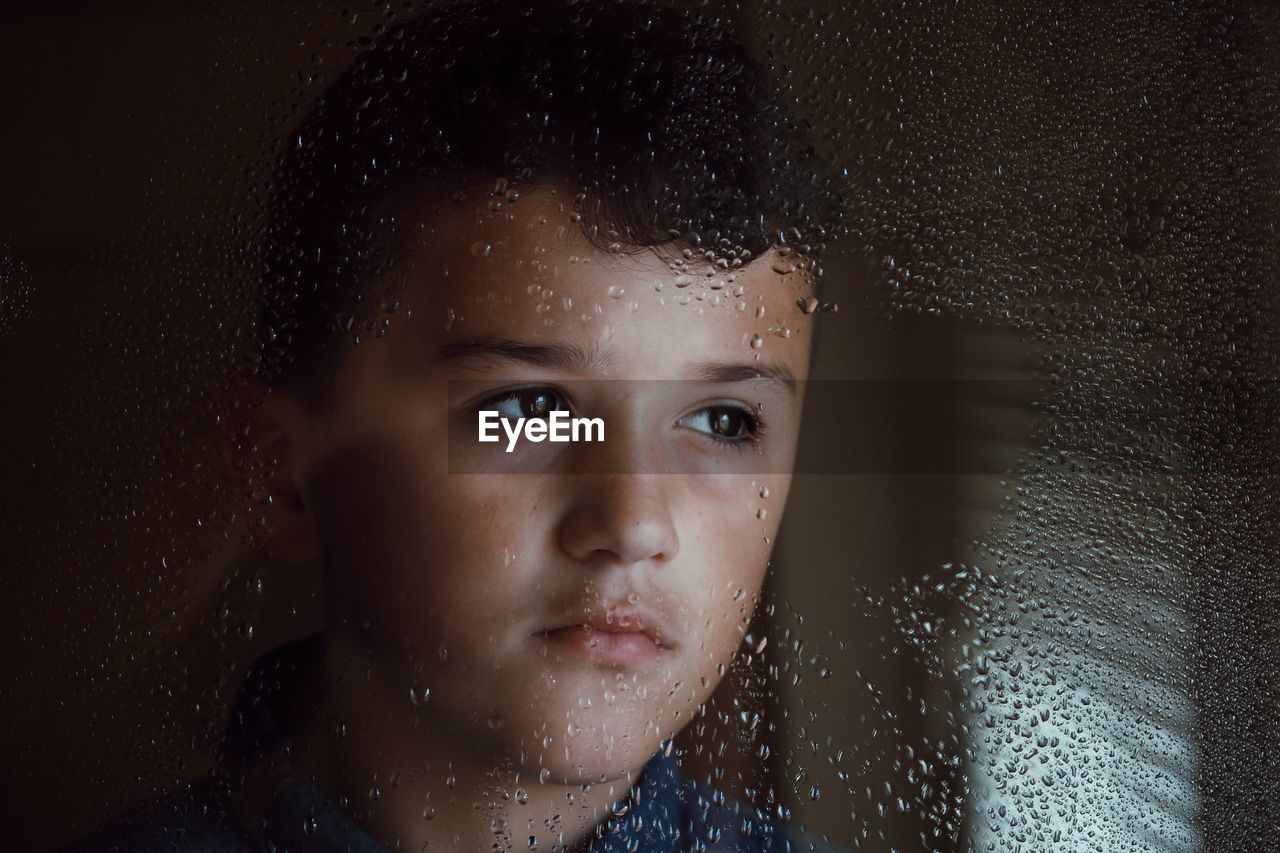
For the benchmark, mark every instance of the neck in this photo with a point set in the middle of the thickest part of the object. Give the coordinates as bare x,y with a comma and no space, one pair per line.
408,781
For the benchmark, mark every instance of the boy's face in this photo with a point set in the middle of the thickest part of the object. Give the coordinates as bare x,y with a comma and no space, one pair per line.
562,618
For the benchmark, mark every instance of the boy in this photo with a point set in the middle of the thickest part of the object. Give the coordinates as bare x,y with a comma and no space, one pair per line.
515,212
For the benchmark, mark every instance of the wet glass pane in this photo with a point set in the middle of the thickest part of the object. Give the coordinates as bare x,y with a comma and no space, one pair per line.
640,426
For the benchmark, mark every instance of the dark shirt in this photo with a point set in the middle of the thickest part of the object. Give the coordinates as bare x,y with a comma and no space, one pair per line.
256,801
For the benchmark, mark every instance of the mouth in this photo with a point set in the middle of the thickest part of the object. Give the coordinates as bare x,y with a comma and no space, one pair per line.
614,636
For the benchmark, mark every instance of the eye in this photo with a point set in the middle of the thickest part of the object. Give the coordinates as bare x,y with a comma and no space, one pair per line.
527,403
727,423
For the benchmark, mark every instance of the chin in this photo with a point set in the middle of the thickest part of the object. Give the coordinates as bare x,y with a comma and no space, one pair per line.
596,765
600,750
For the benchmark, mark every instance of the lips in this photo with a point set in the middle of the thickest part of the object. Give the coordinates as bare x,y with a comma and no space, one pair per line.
614,635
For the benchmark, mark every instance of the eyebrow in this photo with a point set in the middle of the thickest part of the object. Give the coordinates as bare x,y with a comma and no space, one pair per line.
771,371
481,352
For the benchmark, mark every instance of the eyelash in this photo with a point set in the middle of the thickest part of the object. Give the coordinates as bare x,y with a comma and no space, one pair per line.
754,426
561,399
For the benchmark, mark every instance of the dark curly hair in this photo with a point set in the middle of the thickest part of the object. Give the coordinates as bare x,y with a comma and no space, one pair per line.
659,117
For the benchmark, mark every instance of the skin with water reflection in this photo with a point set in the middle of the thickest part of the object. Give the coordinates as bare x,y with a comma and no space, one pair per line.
514,642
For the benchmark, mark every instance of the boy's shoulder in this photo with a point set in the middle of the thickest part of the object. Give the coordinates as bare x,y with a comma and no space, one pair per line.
256,801
192,819
269,807
196,819
252,801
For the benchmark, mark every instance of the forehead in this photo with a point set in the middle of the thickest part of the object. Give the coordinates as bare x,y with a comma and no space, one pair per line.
483,265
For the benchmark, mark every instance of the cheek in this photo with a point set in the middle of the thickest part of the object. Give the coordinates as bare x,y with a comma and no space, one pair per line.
736,517
422,558
484,536
733,529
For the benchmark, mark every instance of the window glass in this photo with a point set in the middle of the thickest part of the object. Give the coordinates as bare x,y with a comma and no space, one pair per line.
640,426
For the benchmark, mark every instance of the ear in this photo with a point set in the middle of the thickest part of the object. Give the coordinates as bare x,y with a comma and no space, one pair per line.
260,432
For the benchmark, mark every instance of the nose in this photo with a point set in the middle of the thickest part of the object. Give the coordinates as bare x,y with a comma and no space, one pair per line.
621,518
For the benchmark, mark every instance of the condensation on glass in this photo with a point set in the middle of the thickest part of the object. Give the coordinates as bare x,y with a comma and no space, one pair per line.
1032,246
